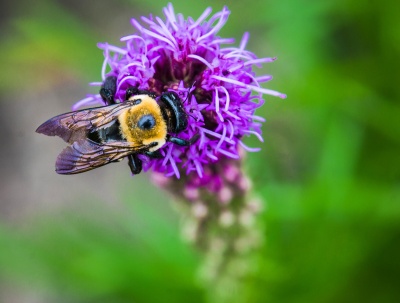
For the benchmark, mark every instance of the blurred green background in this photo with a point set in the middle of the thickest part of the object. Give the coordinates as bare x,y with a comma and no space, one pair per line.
328,172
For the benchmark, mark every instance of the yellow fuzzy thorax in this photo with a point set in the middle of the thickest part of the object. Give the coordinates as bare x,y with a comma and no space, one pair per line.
129,120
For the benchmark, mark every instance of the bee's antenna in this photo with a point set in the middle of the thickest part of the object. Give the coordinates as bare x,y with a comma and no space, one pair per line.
189,91
187,98
194,118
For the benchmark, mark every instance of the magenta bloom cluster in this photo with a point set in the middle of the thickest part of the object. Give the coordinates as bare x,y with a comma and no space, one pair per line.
218,86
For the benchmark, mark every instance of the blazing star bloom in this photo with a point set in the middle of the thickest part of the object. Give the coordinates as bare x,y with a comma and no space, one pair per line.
220,93
218,85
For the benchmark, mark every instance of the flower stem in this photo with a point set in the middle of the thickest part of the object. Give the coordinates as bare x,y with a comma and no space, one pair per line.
220,220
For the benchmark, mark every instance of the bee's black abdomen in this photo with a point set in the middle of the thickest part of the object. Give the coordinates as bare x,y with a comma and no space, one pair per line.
111,133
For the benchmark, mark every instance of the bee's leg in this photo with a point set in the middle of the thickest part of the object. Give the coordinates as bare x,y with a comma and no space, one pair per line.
135,164
183,142
108,90
154,155
148,93
133,91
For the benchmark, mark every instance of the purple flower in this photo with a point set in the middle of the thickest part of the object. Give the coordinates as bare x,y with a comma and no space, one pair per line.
221,92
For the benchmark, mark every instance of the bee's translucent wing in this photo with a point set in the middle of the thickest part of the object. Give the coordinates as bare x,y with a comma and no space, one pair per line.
76,125
84,155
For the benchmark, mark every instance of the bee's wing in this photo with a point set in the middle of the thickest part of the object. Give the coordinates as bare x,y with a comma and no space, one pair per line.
84,155
74,126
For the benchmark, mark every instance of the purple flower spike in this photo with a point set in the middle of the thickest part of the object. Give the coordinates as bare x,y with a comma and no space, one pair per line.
218,87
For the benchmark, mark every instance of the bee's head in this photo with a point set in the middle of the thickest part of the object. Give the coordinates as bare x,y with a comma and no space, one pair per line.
173,112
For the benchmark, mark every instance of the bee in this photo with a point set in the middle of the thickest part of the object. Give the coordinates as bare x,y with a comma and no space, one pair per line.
106,134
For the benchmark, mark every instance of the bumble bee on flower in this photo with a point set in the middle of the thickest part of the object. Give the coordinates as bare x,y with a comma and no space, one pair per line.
172,99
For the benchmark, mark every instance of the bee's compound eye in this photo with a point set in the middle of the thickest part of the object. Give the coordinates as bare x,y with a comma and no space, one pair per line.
146,122
137,101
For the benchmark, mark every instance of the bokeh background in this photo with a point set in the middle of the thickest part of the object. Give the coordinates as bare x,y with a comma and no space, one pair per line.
328,173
